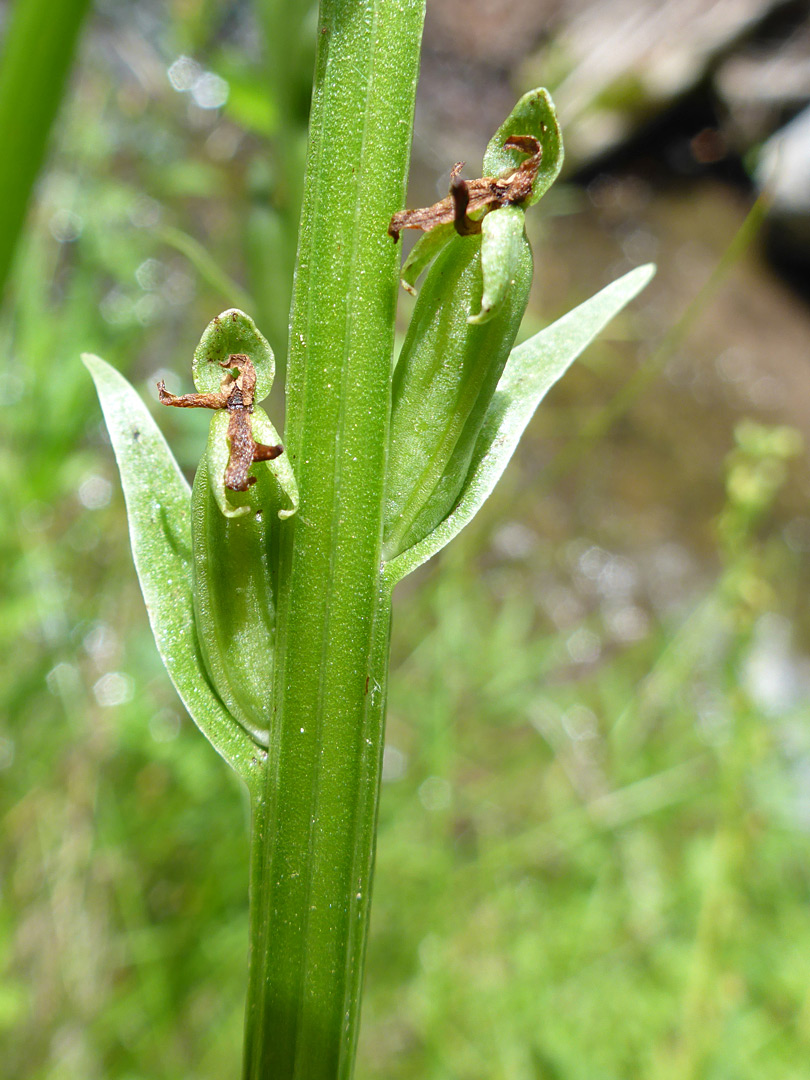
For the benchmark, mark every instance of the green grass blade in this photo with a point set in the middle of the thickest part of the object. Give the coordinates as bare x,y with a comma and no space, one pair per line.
206,266
34,67
530,372
159,511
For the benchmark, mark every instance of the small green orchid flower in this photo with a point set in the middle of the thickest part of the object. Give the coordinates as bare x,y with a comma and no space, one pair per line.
466,319
204,557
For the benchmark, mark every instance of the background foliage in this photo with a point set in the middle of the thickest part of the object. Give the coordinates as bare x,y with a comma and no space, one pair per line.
593,848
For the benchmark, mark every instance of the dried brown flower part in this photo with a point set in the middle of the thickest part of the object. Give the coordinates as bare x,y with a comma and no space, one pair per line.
236,395
468,196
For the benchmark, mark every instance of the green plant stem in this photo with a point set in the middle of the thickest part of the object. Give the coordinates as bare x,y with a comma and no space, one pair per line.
37,53
314,824
312,849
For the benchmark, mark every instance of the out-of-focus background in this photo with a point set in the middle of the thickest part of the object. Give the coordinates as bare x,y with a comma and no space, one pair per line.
594,846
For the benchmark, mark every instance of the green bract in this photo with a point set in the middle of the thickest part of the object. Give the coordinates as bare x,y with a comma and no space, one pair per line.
159,511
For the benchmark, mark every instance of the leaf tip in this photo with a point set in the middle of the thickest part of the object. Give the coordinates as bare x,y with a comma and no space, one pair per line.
646,272
636,280
92,362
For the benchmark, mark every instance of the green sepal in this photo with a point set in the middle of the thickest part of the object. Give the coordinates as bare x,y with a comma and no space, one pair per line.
234,504
502,240
158,503
533,115
228,334
284,485
426,248
531,371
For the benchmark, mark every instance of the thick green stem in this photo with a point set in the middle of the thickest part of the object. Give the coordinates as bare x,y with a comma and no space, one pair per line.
312,850
314,824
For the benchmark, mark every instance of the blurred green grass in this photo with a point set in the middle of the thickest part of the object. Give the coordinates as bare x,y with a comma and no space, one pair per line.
593,846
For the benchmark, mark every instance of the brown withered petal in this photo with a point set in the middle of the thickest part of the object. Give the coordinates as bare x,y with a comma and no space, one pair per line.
263,452
470,196
240,437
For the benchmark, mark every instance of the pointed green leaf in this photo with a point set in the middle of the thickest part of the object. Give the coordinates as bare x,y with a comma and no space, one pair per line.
159,512
501,248
533,115
532,369
227,334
